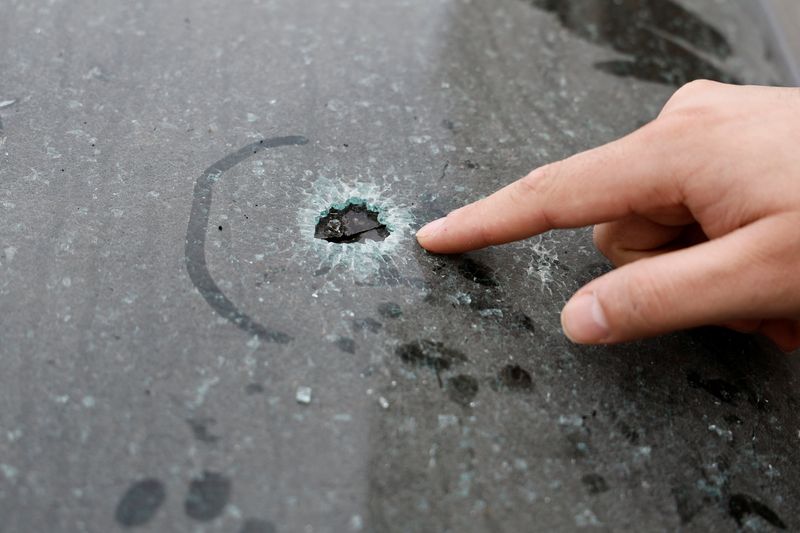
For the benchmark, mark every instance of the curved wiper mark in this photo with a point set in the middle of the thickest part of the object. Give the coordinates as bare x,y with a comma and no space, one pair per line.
666,42
195,251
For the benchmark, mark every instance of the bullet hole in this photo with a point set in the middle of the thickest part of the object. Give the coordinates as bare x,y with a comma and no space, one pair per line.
356,222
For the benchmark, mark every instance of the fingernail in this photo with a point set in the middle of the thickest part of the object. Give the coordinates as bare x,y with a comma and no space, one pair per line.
584,321
431,229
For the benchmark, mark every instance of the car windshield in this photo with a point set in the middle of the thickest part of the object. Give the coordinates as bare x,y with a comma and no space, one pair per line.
215,316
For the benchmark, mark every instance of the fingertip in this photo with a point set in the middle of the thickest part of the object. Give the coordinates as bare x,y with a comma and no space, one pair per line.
584,321
426,235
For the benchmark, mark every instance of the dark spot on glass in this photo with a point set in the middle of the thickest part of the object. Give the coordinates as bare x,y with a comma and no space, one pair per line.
368,324
390,310
471,165
476,272
429,353
345,344
630,434
720,389
219,228
733,419
254,525
254,388
514,377
448,124
595,483
355,223
462,389
322,271
519,322
664,42
199,427
577,442
688,502
758,401
207,497
140,502
742,505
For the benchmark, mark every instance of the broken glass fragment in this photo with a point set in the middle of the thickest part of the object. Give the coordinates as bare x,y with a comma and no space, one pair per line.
355,222
303,395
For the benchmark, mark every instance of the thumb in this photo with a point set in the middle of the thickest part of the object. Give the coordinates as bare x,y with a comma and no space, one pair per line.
721,280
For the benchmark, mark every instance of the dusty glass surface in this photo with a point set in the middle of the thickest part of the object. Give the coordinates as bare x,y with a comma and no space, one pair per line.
180,353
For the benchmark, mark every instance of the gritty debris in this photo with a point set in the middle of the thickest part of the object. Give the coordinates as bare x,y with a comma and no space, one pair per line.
303,395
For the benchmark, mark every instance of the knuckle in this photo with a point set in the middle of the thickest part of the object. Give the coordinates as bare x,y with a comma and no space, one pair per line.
537,182
535,188
695,88
690,97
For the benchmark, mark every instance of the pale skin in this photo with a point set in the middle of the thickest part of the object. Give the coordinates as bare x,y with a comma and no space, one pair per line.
699,210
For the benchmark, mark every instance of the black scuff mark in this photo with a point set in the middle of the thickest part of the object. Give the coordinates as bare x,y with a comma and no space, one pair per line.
513,378
207,497
595,483
444,169
390,310
200,429
476,272
464,282
462,389
345,344
431,354
253,388
140,502
740,506
255,525
367,324
194,251
719,388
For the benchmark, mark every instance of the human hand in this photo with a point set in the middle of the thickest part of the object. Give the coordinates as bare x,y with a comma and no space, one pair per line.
700,210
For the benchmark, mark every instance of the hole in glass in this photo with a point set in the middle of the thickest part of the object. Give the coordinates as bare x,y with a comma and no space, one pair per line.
355,222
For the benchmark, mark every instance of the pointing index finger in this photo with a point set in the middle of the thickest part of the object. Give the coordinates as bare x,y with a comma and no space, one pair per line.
623,177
